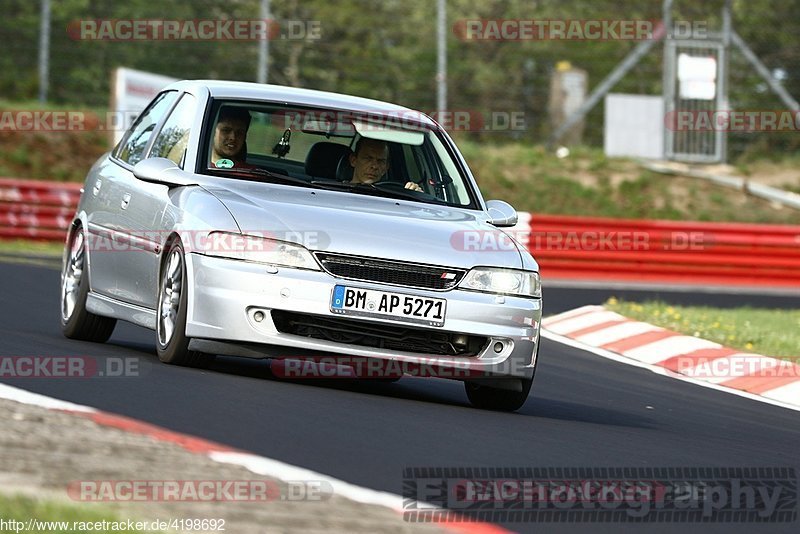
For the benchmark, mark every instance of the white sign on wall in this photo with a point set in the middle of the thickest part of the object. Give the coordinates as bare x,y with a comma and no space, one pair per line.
131,91
634,126
697,77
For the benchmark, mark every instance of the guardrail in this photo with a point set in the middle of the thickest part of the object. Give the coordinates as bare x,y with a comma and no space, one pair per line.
566,247
33,209
695,253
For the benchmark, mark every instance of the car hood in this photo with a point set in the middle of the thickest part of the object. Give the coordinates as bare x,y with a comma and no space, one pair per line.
362,225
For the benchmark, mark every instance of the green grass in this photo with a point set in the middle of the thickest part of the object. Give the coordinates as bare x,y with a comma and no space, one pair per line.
39,253
529,176
38,248
588,183
51,155
770,332
21,508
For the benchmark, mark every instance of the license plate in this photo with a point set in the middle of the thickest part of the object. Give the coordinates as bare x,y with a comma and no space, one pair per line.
372,303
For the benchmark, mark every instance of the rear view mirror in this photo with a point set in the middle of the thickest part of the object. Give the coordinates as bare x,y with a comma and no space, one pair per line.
162,171
501,214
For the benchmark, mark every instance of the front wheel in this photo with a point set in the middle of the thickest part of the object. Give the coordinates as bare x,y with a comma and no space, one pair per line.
490,398
76,321
172,345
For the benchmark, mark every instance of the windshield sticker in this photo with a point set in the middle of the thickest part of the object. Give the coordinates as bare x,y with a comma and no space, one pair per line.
223,164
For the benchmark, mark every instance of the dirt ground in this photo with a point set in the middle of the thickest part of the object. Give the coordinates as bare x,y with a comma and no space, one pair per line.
43,451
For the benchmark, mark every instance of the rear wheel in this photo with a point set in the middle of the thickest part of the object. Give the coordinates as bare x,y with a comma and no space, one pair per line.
172,345
76,321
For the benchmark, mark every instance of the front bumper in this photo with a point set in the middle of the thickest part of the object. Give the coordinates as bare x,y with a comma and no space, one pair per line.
224,296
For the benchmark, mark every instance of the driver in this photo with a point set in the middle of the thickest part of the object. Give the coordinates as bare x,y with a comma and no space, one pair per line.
228,148
370,162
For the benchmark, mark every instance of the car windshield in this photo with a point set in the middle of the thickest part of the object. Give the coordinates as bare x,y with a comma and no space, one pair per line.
356,152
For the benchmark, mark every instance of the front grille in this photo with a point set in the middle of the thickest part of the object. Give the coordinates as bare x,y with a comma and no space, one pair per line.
378,335
390,272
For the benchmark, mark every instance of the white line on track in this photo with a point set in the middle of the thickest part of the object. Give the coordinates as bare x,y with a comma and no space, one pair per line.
666,372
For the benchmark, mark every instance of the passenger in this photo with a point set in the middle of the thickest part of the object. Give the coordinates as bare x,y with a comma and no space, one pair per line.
229,149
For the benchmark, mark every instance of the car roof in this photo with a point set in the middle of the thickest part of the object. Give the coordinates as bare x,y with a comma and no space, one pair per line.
300,96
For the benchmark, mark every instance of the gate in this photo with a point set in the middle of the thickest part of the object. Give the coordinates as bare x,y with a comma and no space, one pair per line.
694,89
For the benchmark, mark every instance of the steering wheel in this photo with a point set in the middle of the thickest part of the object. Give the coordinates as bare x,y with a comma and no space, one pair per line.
394,185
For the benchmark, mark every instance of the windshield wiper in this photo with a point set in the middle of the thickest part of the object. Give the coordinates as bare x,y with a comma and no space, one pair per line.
264,173
397,191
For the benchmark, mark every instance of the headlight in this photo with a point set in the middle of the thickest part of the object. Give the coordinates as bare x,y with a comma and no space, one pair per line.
260,250
503,281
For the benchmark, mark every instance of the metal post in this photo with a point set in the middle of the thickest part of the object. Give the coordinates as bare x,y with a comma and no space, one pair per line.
263,46
441,70
724,103
44,51
667,87
764,72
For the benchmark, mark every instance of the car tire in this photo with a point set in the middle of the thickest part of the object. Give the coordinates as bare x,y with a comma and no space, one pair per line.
490,398
76,321
505,400
172,345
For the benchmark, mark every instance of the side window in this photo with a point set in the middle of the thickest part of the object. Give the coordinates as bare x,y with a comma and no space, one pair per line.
171,142
131,149
457,190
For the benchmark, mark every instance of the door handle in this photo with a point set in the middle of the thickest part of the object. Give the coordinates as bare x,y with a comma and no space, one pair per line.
126,199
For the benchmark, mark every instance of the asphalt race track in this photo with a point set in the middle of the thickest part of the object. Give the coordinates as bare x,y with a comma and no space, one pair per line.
584,411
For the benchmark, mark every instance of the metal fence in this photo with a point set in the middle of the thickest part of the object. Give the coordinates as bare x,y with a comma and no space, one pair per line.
387,50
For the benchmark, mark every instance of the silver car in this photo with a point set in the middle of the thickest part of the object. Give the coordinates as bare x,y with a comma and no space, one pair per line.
303,226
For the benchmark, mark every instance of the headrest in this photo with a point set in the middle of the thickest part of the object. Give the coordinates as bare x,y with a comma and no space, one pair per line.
323,158
344,171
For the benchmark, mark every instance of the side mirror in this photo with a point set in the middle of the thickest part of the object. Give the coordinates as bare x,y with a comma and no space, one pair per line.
162,171
501,214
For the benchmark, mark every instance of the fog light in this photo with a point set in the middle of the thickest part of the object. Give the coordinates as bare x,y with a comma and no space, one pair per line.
258,316
498,347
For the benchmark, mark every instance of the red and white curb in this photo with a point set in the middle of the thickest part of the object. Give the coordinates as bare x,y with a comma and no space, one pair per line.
612,335
259,465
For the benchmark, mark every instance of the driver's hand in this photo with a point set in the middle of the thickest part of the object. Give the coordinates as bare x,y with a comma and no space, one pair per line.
413,186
